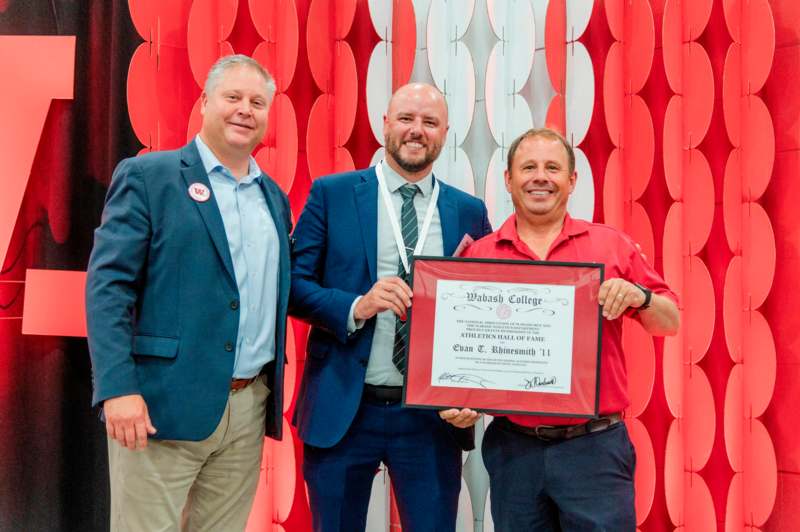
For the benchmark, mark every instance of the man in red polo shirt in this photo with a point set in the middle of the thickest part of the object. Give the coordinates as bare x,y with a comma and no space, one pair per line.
577,475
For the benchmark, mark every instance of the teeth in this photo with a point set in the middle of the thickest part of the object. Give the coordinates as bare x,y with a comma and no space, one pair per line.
413,144
539,192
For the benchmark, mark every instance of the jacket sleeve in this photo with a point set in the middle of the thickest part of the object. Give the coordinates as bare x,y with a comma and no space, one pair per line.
486,224
116,266
310,300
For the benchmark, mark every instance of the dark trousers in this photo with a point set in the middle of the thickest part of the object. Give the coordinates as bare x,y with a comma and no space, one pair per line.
582,484
424,465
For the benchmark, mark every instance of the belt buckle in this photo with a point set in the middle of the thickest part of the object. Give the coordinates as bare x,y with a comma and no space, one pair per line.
537,431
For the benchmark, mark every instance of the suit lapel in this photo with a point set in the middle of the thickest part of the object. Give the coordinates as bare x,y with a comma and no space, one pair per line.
192,171
279,218
366,194
448,217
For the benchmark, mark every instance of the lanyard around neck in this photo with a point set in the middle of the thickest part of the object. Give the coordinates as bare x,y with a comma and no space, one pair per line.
398,235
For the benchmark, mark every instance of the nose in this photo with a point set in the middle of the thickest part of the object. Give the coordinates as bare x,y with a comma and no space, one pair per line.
539,174
245,107
415,128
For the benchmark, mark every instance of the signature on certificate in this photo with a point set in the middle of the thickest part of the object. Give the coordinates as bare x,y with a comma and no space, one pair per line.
537,382
463,378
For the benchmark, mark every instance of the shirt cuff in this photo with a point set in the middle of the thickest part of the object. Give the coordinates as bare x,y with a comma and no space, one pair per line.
352,323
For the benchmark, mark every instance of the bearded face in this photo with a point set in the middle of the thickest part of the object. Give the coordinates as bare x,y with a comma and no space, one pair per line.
414,128
413,153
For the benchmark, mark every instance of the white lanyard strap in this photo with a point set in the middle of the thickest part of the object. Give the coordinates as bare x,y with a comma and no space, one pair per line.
398,235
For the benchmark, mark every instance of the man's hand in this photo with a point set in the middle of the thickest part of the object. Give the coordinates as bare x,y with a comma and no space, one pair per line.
127,421
389,293
460,418
616,295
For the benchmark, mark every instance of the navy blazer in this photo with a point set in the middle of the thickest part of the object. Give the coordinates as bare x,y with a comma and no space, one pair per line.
334,260
161,296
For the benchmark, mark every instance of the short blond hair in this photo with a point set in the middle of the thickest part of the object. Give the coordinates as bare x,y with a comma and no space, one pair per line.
229,61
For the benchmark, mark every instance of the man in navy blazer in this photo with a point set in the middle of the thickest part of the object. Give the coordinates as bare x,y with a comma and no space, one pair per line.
349,282
186,299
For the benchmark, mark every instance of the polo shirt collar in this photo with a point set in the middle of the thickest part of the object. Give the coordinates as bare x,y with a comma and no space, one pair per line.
571,227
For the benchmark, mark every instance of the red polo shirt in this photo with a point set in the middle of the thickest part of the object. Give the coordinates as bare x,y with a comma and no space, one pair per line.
582,241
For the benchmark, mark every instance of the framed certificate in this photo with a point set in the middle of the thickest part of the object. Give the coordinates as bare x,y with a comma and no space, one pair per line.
504,336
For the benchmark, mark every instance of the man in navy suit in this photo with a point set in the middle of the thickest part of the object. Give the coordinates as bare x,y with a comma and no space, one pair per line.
351,255
186,300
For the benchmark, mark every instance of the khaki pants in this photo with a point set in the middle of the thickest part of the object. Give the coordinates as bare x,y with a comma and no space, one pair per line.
193,486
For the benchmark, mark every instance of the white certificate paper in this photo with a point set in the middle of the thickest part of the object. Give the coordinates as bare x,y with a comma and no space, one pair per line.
503,336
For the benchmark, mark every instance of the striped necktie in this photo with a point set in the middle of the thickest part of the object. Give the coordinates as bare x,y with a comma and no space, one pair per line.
408,225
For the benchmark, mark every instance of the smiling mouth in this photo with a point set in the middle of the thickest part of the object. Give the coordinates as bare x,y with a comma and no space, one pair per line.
414,145
243,126
539,193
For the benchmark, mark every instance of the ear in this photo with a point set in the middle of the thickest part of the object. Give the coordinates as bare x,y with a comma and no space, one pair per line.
572,180
203,102
507,177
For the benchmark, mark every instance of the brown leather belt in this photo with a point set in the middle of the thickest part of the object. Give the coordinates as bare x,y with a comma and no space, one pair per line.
240,384
556,433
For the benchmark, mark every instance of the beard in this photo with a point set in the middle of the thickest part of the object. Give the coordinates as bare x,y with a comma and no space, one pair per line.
412,166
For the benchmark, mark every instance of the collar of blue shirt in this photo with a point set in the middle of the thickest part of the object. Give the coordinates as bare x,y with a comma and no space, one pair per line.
212,164
394,180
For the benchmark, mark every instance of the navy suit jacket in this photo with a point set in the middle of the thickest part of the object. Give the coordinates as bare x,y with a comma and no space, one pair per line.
334,261
161,296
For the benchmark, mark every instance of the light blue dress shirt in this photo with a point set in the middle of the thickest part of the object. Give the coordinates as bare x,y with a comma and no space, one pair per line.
253,243
380,368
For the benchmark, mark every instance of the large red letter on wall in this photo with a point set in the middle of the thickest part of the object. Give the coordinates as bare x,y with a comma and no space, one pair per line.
37,70
40,69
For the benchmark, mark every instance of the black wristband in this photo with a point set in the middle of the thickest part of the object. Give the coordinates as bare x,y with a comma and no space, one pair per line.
648,296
